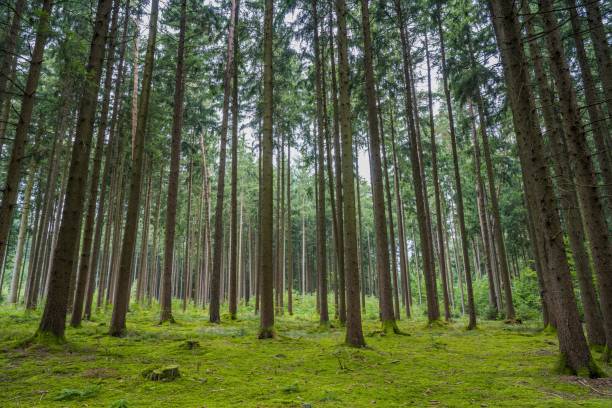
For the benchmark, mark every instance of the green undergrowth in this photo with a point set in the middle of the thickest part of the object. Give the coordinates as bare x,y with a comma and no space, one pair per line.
225,365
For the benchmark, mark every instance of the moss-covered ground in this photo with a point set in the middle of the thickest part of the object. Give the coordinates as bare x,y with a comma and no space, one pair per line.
496,365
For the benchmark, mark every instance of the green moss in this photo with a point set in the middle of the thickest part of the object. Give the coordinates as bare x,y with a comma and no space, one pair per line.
442,364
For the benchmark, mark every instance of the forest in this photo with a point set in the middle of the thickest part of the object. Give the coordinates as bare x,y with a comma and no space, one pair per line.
305,203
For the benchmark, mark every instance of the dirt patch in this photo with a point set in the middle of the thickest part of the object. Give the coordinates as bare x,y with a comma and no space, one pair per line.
596,386
101,372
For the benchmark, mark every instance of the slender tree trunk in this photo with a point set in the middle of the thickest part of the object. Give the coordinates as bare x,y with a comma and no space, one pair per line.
21,239
437,193
400,222
433,310
234,264
354,333
376,169
215,290
266,327
321,224
187,262
392,243
458,187
122,292
289,235
338,178
173,179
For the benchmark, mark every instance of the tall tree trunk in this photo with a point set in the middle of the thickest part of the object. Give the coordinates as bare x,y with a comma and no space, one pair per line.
400,221
380,220
21,239
321,224
54,316
586,182
437,193
122,292
234,243
483,219
13,174
187,262
215,283
338,172
84,265
354,333
173,179
567,192
392,243
457,175
289,235
572,343
266,325
433,309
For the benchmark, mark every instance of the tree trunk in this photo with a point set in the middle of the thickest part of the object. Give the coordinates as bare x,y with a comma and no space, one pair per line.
567,192
602,48
573,346
321,224
586,182
13,173
289,235
458,187
437,193
21,239
598,123
433,310
266,326
400,221
84,265
9,48
338,178
215,283
234,264
122,290
378,199
54,316
354,333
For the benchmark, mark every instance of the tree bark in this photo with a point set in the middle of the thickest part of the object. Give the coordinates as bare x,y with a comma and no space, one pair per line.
13,173
84,265
437,193
567,192
21,238
378,199
457,176
433,309
215,283
266,325
586,182
54,316
123,283
354,333
572,343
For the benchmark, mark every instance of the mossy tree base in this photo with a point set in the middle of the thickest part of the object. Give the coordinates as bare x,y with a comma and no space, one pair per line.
591,370
266,333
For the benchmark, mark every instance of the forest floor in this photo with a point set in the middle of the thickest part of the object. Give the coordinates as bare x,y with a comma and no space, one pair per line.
496,365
